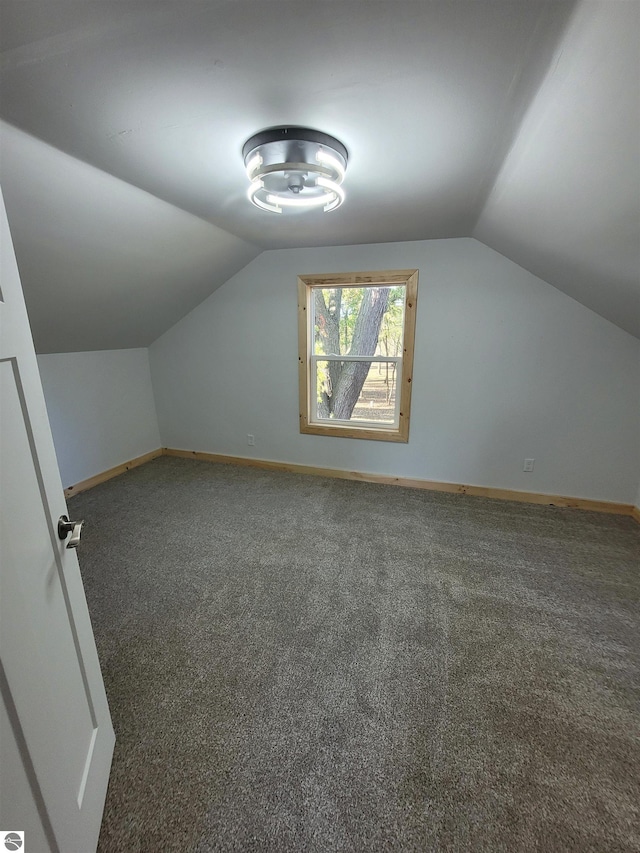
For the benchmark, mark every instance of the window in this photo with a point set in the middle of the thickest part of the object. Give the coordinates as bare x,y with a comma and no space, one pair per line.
355,334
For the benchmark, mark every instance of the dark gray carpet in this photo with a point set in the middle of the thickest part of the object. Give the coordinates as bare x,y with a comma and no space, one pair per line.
305,664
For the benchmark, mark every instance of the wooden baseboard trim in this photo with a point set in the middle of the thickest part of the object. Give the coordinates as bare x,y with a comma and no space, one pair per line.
431,485
339,473
83,485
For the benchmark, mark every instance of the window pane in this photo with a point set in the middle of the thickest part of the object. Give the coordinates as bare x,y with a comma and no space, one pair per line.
356,391
358,320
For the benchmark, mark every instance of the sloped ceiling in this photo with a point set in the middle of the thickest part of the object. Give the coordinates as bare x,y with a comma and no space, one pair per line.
566,203
515,122
105,265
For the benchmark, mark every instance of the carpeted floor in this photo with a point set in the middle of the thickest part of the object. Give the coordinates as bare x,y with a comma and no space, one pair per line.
304,664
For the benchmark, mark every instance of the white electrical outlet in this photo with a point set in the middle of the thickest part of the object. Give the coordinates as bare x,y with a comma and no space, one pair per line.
528,465
251,440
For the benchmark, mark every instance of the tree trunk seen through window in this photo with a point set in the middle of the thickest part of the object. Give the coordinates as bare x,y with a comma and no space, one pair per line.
344,381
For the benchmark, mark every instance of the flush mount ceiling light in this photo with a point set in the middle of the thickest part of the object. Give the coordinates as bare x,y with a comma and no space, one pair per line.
293,168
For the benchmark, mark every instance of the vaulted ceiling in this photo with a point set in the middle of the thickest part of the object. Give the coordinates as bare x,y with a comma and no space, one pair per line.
517,123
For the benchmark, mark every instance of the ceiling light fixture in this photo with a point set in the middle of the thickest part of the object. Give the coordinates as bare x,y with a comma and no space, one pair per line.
293,168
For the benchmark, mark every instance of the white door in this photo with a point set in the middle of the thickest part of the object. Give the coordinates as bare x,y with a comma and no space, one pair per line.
56,737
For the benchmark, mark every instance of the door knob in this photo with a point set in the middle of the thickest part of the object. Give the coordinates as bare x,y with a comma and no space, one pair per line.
66,527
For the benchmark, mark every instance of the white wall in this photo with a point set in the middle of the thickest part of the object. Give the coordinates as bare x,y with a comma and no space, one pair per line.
101,409
506,367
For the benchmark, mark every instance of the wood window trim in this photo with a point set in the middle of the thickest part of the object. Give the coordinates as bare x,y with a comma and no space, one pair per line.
306,285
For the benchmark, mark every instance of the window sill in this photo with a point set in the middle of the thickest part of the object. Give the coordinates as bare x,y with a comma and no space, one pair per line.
398,434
